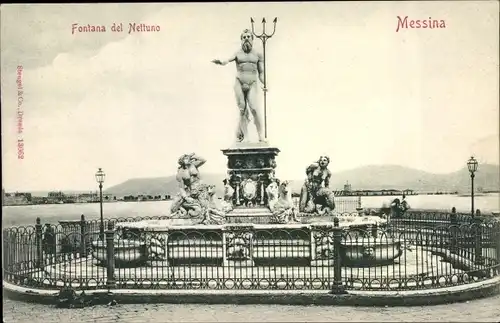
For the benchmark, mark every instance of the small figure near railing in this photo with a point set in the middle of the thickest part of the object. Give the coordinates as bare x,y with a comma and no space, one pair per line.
49,240
316,196
399,207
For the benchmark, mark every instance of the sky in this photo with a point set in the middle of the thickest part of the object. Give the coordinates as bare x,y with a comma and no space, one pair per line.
341,80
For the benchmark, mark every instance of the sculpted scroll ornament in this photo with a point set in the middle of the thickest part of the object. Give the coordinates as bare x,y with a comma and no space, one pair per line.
249,163
324,243
272,163
157,245
238,245
238,163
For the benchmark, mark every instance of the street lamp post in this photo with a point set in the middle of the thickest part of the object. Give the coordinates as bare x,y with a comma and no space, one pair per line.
99,177
472,166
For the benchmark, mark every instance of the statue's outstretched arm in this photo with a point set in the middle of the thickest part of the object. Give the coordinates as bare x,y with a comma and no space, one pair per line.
219,62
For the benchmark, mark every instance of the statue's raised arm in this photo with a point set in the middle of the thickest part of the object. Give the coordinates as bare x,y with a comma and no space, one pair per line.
197,160
311,168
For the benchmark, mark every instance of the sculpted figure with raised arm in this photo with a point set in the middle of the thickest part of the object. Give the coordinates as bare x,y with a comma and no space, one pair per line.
195,200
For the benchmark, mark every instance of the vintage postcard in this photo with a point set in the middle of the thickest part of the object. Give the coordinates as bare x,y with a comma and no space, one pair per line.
166,117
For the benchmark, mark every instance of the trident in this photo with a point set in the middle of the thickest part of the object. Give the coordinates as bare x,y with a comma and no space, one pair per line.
264,37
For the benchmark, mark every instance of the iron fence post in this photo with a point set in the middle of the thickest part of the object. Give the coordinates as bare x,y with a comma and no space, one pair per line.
39,250
5,251
496,227
83,233
101,224
110,257
453,230
478,237
338,287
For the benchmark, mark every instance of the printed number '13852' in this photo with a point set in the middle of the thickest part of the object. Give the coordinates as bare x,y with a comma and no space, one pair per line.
20,149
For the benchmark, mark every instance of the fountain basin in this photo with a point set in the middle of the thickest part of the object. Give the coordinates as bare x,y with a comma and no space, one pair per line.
344,220
258,244
126,252
368,252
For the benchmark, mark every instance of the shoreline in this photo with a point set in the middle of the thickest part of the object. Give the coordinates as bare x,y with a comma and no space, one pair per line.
103,202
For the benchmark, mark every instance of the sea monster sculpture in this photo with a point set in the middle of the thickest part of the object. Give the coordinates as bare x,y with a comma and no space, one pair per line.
227,202
280,203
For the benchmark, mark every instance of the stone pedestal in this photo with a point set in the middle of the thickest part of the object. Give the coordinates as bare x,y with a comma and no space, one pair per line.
250,170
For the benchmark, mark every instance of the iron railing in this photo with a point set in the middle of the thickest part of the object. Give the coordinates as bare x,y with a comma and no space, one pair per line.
418,251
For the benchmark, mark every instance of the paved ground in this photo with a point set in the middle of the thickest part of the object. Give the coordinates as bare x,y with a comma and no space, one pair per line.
484,310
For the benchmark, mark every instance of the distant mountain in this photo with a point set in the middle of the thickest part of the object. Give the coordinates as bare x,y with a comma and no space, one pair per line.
367,177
